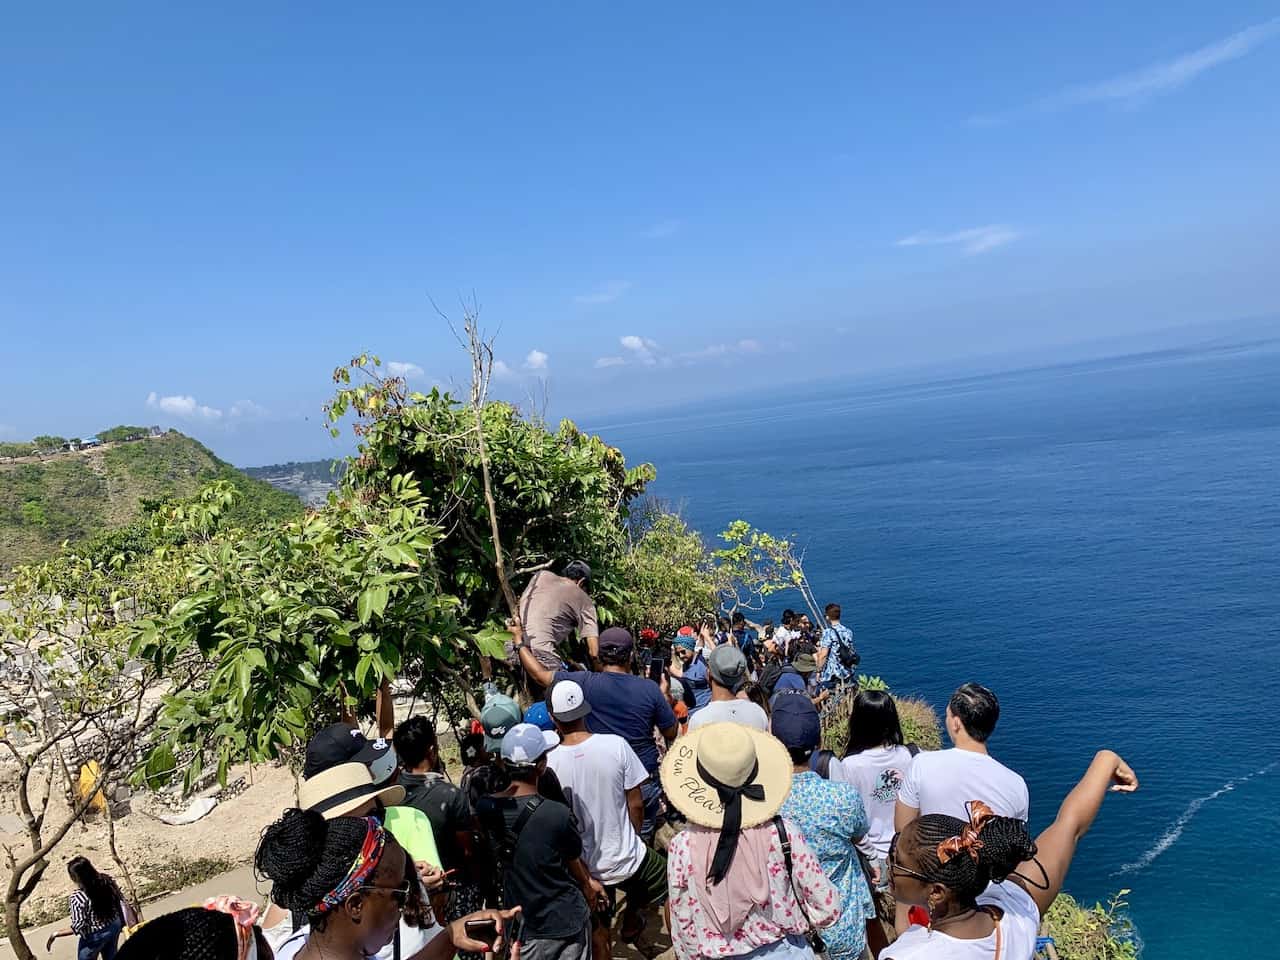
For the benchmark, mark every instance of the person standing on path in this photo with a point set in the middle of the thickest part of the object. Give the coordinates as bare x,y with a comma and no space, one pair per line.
539,852
728,673
622,704
834,822
983,883
836,656
743,880
551,608
601,775
943,781
97,912
448,810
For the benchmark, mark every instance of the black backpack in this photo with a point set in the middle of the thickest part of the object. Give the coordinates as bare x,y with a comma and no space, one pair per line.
503,840
848,657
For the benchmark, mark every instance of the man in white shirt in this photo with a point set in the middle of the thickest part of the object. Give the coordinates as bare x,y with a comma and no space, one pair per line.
601,777
945,781
727,673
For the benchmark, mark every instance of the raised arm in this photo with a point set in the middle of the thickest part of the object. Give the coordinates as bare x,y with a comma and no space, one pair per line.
1057,845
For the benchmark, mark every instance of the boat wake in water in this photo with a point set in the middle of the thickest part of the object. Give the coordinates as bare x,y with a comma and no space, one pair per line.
1174,832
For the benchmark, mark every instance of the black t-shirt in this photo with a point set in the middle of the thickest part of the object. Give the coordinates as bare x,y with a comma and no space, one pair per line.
538,877
446,807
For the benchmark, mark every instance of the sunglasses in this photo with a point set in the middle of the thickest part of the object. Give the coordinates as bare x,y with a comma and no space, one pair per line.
897,871
398,893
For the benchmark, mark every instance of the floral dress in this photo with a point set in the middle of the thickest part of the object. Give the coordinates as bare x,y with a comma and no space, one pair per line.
694,935
831,816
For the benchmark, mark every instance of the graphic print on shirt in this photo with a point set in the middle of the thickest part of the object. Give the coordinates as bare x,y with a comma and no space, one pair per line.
887,786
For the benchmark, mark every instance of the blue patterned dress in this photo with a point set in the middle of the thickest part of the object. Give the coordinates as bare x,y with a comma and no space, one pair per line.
831,815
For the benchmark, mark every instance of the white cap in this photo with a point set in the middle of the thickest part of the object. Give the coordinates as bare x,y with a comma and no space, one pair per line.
568,702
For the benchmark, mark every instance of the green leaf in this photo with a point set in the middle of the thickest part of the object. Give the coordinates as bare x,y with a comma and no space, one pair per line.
160,766
255,658
362,670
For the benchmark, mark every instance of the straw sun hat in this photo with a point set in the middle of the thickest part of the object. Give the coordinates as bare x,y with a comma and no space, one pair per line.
734,755
346,787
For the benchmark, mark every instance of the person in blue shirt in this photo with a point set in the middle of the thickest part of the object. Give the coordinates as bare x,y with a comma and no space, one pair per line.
692,669
622,704
747,639
836,639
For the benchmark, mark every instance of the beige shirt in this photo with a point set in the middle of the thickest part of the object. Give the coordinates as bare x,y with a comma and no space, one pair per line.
551,608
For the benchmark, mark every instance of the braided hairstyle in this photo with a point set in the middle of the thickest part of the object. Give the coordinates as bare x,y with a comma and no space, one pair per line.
305,856
1005,844
191,934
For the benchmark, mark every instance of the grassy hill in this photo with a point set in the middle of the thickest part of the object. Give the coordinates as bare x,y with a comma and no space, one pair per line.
70,496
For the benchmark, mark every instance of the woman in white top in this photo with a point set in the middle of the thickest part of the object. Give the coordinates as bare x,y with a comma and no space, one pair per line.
877,764
985,884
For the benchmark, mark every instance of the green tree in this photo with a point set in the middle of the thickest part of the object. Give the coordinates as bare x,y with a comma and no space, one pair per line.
754,565
558,494
70,693
670,577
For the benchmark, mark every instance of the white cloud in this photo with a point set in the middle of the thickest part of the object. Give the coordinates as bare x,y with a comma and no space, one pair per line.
183,406
409,371
248,410
536,360
641,349
714,350
604,362
606,294
663,229
974,240
1134,89
502,371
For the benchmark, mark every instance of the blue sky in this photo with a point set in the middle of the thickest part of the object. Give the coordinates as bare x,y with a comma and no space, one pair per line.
205,211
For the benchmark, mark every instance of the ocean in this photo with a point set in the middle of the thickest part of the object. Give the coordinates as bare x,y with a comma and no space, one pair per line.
1097,542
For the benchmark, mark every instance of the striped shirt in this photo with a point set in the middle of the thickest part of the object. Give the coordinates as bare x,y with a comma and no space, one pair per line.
83,919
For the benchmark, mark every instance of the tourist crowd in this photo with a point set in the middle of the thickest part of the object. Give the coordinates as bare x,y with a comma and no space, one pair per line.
684,777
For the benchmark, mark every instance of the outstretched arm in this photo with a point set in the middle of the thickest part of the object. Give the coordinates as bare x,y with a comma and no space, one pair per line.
1057,845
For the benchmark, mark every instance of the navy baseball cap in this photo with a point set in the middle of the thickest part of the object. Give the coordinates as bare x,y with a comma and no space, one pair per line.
795,722
341,743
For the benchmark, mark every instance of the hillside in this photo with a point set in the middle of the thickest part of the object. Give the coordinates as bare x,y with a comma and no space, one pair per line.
45,500
310,481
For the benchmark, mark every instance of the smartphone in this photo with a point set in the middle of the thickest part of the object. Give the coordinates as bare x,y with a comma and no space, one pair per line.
657,667
485,931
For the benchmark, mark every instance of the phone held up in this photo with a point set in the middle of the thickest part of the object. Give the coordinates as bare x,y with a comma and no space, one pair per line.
485,931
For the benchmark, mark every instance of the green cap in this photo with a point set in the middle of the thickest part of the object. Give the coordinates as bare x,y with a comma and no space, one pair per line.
499,714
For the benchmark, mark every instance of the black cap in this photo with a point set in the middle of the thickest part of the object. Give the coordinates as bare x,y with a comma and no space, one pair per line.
342,743
615,640
795,722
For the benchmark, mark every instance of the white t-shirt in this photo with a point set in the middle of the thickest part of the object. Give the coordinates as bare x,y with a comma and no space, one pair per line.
878,774
596,775
943,781
732,711
1018,929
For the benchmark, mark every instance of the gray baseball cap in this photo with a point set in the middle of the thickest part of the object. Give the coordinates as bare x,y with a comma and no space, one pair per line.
728,667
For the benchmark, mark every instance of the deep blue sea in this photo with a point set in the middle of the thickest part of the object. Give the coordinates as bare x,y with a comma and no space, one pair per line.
1099,543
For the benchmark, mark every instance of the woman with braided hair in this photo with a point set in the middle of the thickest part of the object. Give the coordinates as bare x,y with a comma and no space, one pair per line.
352,882
985,884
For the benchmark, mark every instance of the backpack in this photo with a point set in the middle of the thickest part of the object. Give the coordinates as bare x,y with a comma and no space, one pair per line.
849,657
502,839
